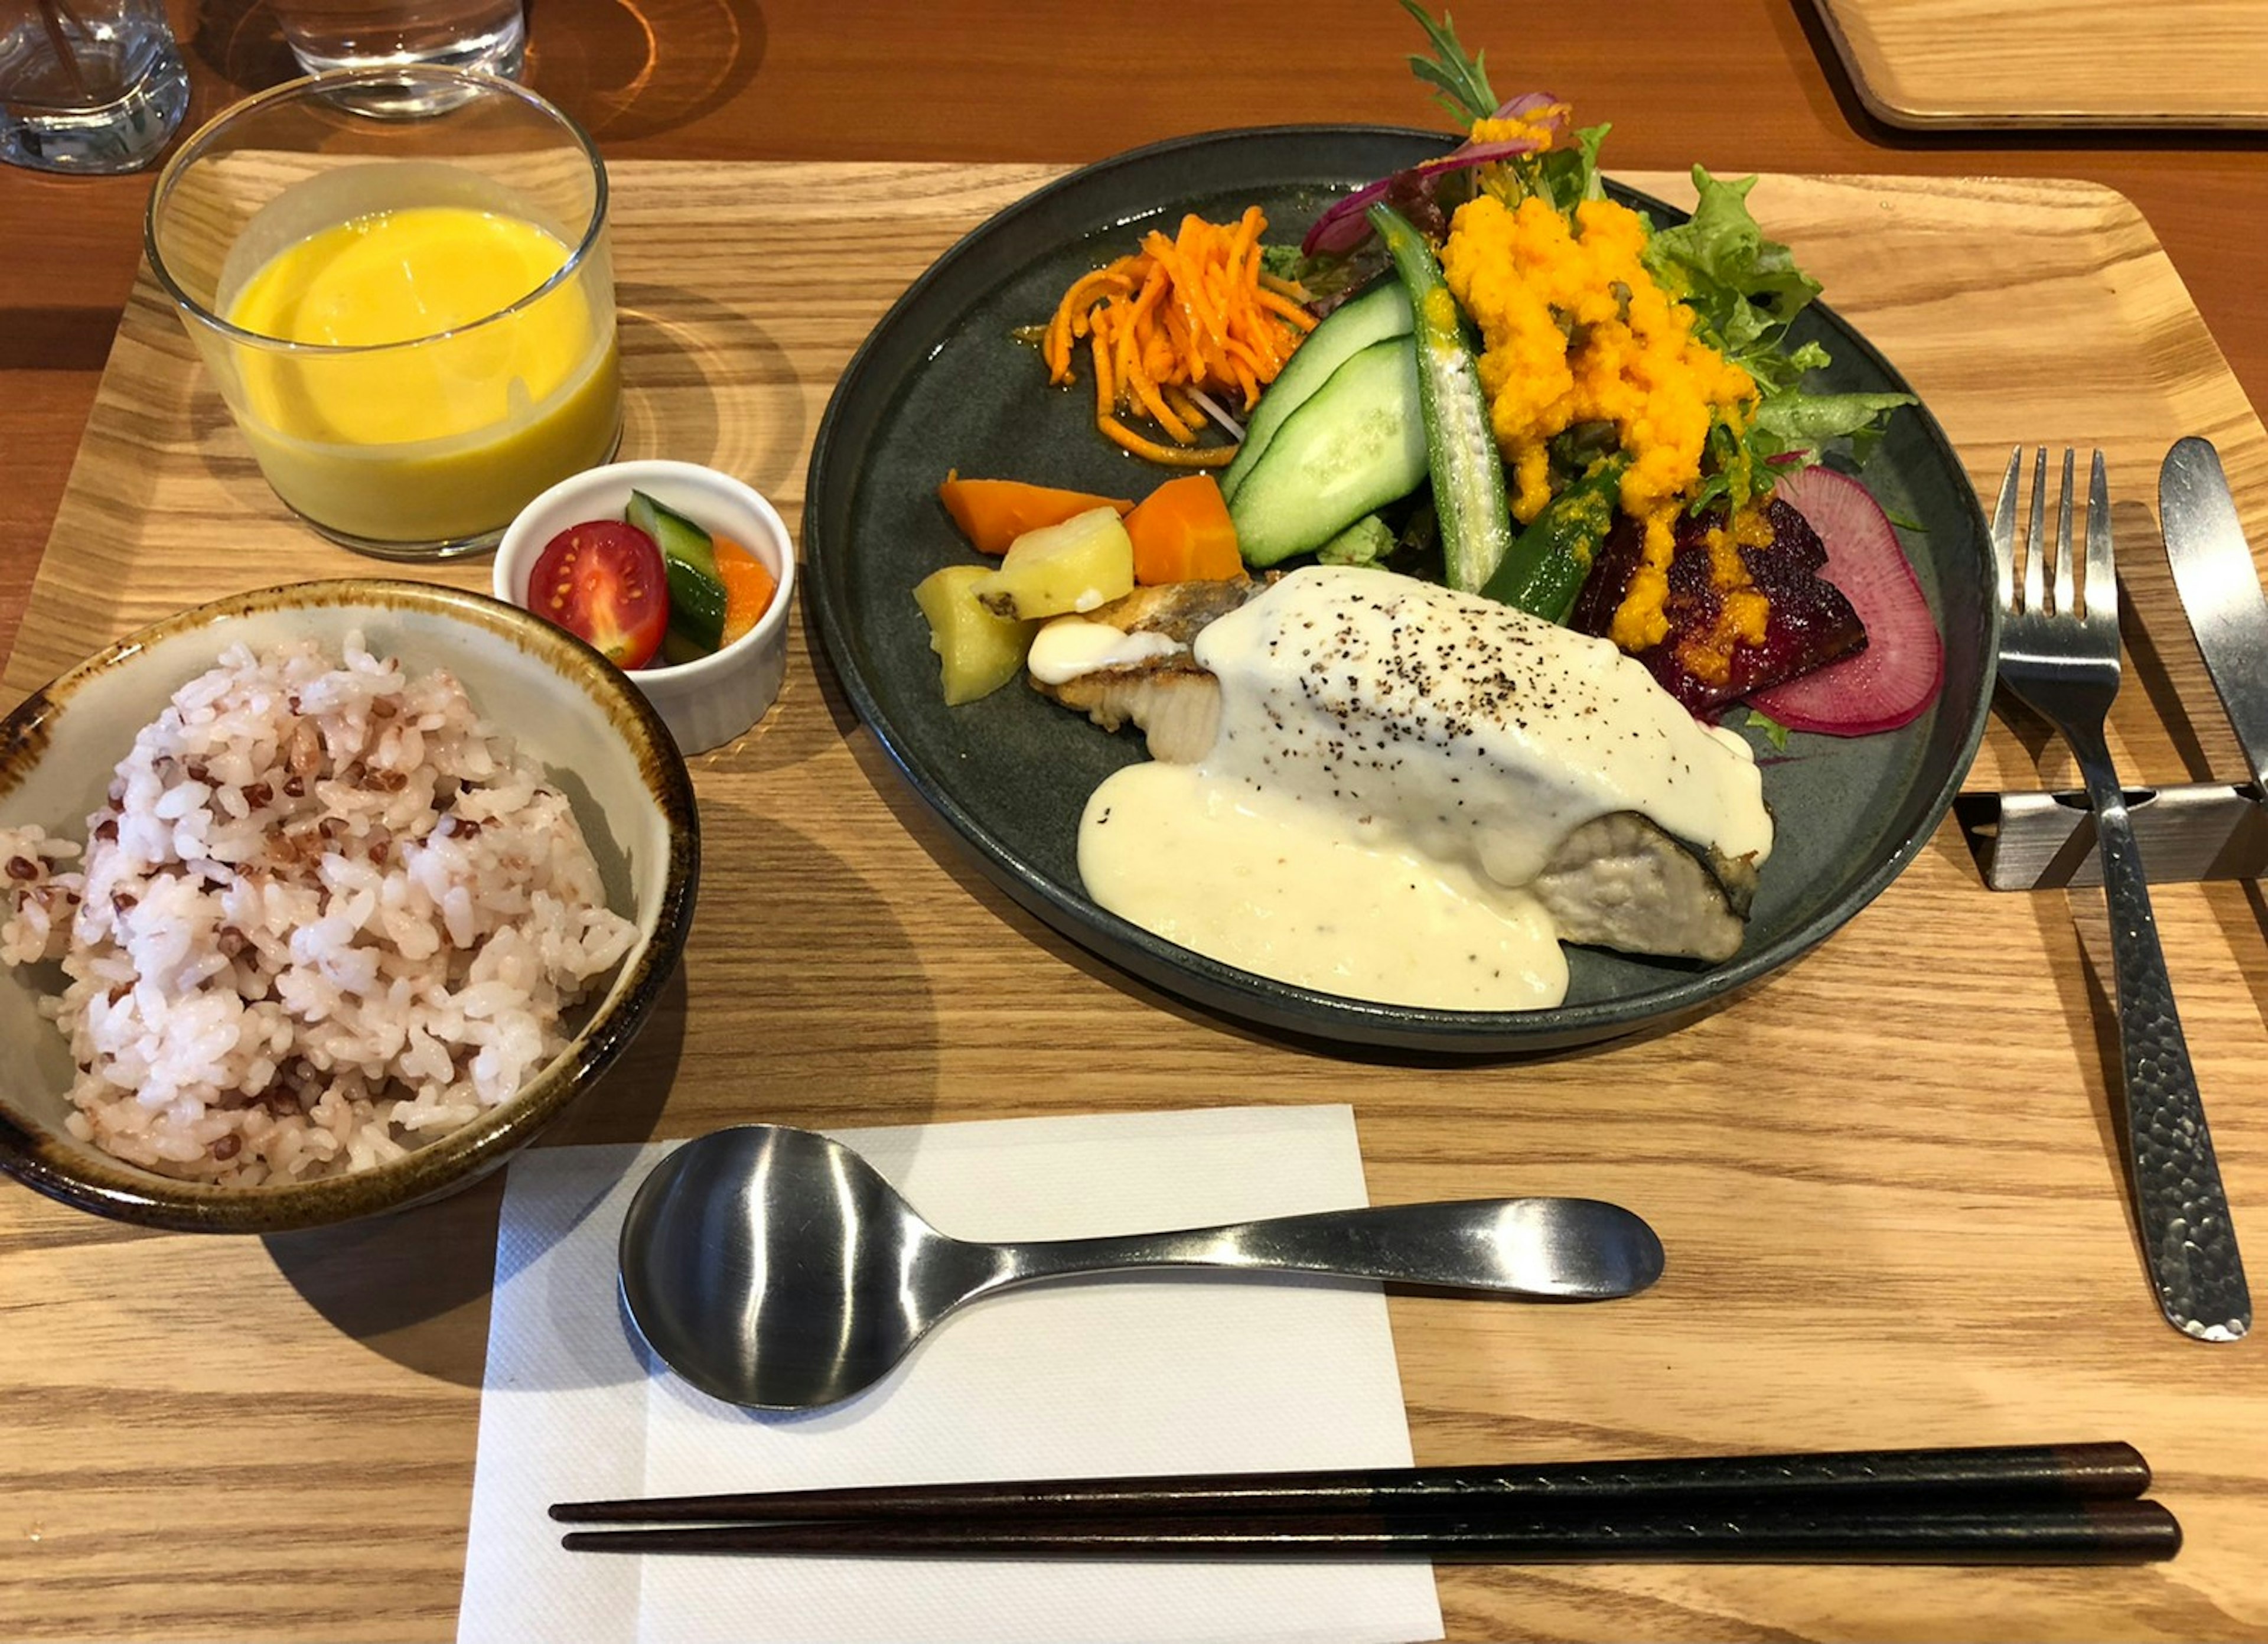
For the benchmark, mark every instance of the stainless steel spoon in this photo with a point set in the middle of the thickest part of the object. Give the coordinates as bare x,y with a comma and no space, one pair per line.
775,1268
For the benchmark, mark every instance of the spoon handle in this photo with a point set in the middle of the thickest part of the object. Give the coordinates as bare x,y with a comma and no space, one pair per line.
1579,1250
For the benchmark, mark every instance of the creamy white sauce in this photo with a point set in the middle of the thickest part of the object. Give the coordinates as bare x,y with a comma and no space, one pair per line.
1071,646
1395,762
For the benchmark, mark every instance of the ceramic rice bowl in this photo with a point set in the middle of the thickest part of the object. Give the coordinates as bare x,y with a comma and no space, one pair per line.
597,745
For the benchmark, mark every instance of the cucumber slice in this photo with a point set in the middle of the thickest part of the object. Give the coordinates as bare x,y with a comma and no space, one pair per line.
1382,311
696,592
1357,444
696,610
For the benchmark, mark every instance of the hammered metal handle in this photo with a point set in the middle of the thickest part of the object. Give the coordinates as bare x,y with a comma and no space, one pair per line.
2187,1237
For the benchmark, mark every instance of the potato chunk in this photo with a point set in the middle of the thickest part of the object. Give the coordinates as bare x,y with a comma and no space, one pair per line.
980,652
1086,561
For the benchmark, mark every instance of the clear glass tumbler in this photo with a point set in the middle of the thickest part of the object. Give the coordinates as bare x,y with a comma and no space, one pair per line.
486,36
94,86
412,321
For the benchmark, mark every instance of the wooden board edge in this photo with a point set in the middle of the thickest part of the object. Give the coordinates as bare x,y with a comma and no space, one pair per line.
1877,84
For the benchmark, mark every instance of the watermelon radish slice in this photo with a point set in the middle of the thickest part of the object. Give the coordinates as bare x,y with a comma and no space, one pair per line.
1903,667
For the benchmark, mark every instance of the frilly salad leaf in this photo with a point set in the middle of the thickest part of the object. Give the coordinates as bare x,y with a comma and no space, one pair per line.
1747,291
1747,288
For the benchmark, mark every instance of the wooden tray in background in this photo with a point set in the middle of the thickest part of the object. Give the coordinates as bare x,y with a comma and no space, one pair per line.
1886,1176
1985,64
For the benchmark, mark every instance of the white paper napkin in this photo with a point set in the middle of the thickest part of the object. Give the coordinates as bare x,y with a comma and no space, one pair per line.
1129,1375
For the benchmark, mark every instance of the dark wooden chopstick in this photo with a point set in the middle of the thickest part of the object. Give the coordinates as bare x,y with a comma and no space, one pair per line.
1845,1479
2081,1531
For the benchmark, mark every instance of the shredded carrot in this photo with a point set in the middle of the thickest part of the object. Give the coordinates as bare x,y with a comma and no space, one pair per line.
1171,456
1185,315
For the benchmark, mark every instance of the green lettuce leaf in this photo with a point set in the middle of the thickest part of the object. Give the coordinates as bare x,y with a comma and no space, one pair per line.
1775,732
1747,291
1799,419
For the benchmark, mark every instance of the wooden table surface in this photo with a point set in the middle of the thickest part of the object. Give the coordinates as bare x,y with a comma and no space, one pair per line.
1891,1174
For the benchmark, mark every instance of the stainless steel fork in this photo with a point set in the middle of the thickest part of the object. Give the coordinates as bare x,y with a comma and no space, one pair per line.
2059,656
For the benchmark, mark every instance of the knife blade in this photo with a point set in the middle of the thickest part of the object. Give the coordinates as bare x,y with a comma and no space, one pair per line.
2219,589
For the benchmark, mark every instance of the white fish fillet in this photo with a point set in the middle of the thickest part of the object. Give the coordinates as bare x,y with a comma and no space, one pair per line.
1618,881
1173,701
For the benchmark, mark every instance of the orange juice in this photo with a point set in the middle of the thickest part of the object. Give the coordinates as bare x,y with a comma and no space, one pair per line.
439,392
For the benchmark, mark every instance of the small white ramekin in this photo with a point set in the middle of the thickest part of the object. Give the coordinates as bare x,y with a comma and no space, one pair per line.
706,703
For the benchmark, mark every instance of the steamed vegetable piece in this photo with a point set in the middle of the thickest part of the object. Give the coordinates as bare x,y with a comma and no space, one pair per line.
1461,451
1086,561
1184,319
1182,532
1378,314
993,513
979,651
1358,443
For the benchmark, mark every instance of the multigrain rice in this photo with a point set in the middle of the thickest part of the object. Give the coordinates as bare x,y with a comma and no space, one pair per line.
327,915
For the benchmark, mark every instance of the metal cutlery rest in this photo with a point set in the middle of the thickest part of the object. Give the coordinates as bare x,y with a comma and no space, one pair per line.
2046,841
2193,832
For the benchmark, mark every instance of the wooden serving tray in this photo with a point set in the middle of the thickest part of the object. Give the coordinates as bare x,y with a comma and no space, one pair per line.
1967,64
1887,1177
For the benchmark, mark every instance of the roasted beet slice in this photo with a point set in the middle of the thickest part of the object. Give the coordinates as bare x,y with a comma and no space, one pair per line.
1904,666
1807,625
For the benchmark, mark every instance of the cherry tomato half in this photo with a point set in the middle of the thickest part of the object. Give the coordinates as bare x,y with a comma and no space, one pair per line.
604,582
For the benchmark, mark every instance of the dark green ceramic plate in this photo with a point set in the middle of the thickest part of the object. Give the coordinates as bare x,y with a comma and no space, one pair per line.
941,385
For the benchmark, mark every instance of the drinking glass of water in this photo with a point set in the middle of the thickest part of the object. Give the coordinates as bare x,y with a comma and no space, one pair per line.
483,36
94,86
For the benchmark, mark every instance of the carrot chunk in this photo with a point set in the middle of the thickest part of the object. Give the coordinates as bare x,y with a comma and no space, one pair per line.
992,513
1183,533
749,586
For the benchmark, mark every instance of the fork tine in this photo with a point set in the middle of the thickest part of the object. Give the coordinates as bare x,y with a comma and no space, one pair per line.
2004,530
2035,545
2102,574
2066,587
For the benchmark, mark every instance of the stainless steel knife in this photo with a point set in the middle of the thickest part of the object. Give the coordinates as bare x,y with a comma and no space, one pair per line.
2219,589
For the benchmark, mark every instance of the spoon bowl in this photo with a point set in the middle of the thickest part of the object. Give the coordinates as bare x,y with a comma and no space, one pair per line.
777,1269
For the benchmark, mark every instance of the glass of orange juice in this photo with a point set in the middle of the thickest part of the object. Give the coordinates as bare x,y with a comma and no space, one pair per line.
412,321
